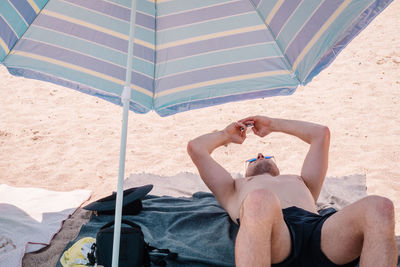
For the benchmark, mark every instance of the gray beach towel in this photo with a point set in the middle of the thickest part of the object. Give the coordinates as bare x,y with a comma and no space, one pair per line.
196,227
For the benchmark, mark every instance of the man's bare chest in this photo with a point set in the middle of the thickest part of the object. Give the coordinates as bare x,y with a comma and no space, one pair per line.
290,189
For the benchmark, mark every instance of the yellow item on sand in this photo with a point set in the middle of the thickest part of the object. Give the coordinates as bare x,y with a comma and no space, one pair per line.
76,256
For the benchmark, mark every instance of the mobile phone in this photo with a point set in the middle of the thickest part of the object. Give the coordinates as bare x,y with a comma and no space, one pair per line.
248,127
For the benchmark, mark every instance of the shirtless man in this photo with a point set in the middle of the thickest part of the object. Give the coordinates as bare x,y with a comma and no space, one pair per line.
279,222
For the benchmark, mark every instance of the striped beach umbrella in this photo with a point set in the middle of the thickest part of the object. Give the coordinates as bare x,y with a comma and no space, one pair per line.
175,55
187,53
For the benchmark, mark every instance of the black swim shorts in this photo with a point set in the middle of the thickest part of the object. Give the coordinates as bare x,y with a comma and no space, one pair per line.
305,233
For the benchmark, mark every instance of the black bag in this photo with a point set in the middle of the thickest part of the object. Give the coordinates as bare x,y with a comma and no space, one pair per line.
133,251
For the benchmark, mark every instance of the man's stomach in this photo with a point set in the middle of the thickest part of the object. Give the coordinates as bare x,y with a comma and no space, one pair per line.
290,189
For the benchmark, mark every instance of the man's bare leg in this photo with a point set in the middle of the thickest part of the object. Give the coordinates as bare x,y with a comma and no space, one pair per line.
364,228
263,237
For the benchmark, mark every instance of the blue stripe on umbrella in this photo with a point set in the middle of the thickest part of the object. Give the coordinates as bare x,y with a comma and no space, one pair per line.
2,53
25,10
40,3
7,34
104,7
282,15
265,7
218,72
237,40
203,14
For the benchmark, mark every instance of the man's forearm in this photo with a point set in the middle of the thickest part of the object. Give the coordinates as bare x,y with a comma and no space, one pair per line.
306,131
208,142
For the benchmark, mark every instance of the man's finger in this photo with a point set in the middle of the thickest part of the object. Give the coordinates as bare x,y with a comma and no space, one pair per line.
251,118
249,123
255,131
241,126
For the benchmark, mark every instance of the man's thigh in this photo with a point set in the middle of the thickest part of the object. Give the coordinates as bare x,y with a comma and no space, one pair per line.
342,235
281,243
261,220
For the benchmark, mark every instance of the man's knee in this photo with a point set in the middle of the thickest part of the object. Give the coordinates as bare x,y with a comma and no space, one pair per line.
260,205
380,210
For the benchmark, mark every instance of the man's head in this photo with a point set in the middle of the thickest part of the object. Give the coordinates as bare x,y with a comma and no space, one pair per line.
262,165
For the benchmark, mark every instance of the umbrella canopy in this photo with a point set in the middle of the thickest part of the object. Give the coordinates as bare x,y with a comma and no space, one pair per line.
187,53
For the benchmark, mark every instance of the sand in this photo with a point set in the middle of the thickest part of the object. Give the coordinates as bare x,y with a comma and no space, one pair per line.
59,139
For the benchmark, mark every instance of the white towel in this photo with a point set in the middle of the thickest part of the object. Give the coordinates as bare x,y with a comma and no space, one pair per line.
30,217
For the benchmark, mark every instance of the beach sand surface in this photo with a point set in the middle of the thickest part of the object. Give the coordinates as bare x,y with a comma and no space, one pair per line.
60,139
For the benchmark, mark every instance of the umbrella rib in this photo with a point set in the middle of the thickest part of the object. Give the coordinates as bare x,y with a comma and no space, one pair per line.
280,48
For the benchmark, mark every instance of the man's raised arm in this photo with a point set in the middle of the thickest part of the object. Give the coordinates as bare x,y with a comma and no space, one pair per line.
217,179
315,164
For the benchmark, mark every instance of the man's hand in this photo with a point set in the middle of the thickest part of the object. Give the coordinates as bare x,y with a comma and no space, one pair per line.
236,132
262,125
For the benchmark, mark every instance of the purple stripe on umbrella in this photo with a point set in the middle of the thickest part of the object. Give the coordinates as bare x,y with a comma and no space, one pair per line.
98,37
256,2
203,14
312,26
145,21
25,10
105,8
282,15
7,34
219,72
142,81
82,32
81,60
226,42
143,52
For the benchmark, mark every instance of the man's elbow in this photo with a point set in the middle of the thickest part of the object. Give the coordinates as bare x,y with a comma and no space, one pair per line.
193,149
325,132
324,135
321,134
190,147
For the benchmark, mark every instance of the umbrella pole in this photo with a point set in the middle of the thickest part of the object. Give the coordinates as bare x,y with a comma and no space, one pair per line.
125,97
